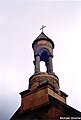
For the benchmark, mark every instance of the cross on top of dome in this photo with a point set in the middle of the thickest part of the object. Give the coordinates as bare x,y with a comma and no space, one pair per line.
42,27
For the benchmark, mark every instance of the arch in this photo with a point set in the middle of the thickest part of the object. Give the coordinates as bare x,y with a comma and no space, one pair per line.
44,55
41,50
44,50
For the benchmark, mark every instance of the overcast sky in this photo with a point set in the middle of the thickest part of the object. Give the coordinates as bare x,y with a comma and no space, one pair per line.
20,23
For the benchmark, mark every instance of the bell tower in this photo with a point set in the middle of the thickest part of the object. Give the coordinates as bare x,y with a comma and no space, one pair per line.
43,51
42,84
44,100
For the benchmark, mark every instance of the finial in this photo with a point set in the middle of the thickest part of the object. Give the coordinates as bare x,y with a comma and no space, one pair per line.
42,27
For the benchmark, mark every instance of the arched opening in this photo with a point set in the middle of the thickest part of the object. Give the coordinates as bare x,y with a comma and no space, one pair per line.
43,60
42,66
44,56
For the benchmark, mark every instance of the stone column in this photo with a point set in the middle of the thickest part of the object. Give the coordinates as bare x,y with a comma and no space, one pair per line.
37,64
49,65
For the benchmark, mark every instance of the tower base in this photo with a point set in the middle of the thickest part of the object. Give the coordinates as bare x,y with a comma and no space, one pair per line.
44,104
39,97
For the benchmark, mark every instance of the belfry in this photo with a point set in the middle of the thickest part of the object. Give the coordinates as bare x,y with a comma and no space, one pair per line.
43,51
44,100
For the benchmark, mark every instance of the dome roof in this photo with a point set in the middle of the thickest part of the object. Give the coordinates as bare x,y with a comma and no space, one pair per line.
42,36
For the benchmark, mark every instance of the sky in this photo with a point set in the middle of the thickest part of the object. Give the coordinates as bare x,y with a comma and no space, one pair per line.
20,23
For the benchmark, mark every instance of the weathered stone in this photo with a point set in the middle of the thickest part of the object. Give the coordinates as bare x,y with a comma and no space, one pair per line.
44,100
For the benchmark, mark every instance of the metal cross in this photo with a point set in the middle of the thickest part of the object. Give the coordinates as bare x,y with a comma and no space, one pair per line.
42,27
